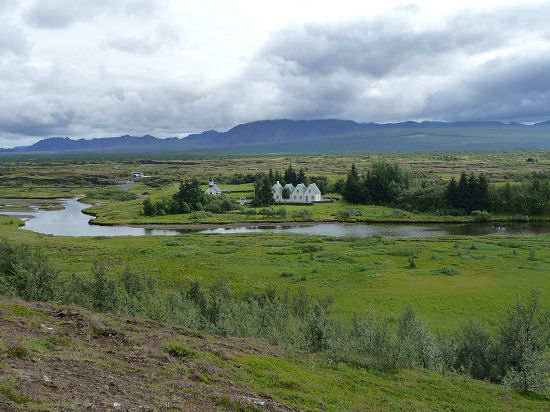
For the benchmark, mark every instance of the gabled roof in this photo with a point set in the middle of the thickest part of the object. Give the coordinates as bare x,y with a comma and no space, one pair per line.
314,188
215,188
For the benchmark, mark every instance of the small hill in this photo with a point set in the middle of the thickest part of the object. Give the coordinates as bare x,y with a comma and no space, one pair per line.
316,136
66,358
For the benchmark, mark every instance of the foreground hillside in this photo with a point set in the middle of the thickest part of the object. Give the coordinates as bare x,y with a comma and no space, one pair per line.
55,357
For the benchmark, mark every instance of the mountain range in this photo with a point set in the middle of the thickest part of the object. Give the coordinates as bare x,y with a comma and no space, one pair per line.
316,136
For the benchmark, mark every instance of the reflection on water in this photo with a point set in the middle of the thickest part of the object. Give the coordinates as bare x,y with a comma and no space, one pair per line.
396,230
70,221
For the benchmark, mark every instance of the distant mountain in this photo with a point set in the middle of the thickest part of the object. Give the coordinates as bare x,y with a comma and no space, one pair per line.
329,135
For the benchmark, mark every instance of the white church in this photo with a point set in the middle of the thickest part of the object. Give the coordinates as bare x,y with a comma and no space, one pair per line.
299,194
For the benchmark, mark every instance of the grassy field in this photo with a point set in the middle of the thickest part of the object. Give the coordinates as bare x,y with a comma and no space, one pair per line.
455,278
53,176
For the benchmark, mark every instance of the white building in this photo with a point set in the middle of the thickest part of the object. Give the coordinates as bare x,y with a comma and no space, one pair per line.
299,194
213,189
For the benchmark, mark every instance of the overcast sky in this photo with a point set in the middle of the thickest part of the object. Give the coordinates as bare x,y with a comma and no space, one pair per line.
93,68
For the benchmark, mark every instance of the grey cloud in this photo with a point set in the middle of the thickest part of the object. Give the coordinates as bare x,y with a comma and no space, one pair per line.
61,14
12,41
386,69
147,44
515,89
382,46
133,45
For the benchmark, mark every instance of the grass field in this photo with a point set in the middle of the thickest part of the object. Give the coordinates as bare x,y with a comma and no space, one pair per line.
454,278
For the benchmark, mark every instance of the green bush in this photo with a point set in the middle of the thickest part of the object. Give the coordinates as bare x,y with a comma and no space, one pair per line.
178,350
302,214
200,214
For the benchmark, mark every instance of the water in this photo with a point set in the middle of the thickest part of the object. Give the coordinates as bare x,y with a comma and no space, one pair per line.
70,221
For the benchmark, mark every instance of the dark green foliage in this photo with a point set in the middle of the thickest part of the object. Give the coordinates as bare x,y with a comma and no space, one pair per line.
189,195
189,198
470,193
290,176
285,193
263,195
381,185
473,351
532,197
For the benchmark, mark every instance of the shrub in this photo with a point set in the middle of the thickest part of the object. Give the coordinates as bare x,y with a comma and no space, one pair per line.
18,351
302,214
200,214
178,350
481,216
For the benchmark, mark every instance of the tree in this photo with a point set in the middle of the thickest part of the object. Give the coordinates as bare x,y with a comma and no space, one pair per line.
522,338
451,193
463,195
351,186
189,195
263,194
103,289
271,177
384,182
290,175
285,193
301,177
148,207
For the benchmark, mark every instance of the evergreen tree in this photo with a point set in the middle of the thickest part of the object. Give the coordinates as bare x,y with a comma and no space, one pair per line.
301,178
271,177
263,195
463,192
451,194
290,175
189,195
285,193
351,186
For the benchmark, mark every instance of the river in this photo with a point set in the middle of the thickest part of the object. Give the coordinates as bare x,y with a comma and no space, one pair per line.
70,221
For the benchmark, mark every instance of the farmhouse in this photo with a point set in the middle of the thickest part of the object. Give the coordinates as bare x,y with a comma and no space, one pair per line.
213,188
299,194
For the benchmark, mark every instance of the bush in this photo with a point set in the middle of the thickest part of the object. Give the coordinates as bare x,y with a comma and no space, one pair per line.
302,214
200,214
26,272
178,350
481,216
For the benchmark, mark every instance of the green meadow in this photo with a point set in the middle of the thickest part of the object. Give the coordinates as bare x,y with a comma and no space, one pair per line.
453,278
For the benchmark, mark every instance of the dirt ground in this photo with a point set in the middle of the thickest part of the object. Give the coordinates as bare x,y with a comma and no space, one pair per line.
64,358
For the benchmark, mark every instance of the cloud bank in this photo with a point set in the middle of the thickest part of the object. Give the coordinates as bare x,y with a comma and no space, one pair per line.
87,69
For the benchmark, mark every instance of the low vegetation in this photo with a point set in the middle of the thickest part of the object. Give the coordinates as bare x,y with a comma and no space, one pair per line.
513,356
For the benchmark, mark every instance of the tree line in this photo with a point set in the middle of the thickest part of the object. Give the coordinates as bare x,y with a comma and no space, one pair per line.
391,185
512,354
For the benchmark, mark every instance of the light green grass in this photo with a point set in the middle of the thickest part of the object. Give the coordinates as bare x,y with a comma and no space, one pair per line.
361,273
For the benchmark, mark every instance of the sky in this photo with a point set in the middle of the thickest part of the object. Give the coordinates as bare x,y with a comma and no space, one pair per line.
83,69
